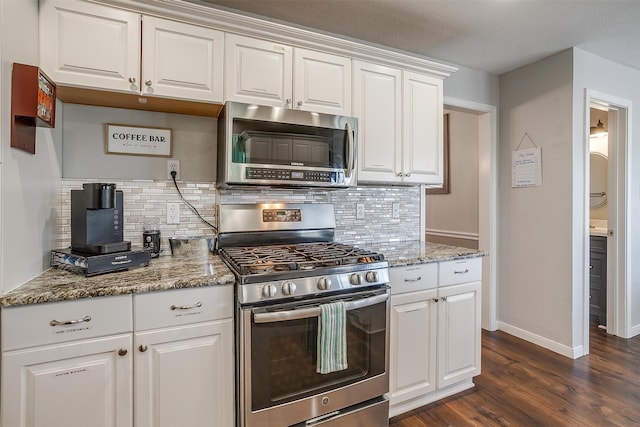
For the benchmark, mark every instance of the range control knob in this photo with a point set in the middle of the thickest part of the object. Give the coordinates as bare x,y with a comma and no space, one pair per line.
355,279
288,288
371,276
324,283
269,291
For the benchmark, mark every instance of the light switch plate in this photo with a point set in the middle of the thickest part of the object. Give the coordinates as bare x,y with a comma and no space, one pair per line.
395,210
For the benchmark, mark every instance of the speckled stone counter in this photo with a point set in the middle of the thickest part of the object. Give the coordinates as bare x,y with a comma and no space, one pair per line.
161,274
400,254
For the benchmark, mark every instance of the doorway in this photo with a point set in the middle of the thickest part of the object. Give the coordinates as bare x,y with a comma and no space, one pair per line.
616,112
487,200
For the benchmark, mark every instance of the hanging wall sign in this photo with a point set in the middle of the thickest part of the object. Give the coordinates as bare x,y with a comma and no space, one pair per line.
138,140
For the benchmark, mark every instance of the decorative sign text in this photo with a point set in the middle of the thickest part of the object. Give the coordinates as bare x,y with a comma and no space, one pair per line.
138,140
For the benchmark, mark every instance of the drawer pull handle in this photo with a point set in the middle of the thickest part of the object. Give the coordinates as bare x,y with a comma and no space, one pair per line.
465,271
70,322
186,307
415,279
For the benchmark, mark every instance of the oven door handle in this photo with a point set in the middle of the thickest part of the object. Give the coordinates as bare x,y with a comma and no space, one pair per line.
304,313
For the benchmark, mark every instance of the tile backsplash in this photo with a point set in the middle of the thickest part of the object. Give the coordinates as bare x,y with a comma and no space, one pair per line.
145,202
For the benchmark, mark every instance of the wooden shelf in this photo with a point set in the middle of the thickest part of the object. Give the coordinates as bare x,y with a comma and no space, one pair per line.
100,98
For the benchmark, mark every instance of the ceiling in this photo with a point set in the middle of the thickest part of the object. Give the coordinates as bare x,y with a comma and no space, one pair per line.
490,35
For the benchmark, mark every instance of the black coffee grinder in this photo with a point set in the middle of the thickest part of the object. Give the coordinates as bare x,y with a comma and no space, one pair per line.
97,219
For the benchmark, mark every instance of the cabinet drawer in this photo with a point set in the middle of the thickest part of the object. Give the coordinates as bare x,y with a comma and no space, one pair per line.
413,278
182,306
56,322
460,271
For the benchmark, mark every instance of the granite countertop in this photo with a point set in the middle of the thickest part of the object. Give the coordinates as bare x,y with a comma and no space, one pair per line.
400,254
169,272
162,273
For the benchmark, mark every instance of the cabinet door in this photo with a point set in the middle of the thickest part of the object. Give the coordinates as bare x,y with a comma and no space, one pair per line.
377,105
258,71
459,332
422,129
412,355
321,82
85,44
77,384
184,375
181,60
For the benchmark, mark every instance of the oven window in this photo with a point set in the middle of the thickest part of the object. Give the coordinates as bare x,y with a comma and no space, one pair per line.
284,355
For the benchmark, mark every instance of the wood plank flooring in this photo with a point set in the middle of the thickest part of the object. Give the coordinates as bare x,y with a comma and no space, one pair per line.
526,385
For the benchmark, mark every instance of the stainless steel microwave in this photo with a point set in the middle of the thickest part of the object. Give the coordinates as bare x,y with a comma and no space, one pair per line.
275,146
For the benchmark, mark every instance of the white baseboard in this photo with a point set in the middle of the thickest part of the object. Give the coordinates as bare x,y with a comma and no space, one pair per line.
571,352
635,330
416,402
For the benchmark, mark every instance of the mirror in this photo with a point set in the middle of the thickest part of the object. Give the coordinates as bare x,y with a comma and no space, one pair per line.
598,181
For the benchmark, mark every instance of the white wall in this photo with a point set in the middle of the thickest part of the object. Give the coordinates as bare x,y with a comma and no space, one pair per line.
535,298
29,183
607,77
473,85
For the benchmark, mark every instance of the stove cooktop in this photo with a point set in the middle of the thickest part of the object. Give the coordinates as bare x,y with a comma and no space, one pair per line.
296,257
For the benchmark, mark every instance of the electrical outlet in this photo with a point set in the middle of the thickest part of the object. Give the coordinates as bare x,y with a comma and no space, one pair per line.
173,165
359,210
173,213
395,210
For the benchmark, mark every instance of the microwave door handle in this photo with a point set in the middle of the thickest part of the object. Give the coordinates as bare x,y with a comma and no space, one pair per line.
305,313
351,159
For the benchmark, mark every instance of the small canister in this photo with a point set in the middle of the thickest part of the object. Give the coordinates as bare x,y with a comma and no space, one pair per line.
151,239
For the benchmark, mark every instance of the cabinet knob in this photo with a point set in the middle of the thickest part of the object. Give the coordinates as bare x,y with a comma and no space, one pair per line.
435,300
299,104
407,174
132,80
287,103
399,174
444,299
122,352
142,348
148,82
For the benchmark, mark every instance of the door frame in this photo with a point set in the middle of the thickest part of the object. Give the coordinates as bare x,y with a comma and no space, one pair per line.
618,291
487,201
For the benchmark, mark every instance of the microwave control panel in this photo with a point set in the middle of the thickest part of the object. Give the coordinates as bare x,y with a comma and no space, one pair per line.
270,174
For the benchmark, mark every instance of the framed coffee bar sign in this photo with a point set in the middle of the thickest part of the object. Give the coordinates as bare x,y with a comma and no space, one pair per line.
138,140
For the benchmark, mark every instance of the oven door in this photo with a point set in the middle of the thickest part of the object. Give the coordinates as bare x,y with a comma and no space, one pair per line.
279,385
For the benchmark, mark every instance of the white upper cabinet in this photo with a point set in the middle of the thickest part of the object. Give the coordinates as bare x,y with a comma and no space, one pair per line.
422,143
399,125
322,82
181,60
268,73
85,44
377,103
98,47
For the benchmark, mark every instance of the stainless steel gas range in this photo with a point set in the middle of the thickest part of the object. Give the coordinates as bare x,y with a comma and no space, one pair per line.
289,269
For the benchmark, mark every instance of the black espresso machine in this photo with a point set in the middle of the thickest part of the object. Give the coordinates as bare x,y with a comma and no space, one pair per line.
97,233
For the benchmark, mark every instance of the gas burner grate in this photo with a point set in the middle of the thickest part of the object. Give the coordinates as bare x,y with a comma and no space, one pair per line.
246,260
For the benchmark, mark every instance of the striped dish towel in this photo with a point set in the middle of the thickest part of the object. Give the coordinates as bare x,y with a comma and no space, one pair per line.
332,338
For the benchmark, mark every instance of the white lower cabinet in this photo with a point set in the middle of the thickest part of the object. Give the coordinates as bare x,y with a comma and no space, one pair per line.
435,332
77,379
184,373
155,359
412,345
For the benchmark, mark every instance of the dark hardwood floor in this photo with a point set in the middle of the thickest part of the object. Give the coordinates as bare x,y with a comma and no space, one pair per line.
526,385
